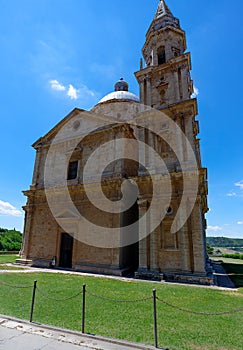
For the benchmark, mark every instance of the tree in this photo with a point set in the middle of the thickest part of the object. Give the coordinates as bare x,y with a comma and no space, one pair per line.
210,249
10,240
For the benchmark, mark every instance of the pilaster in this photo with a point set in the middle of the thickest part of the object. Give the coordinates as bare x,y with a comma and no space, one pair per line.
25,250
143,227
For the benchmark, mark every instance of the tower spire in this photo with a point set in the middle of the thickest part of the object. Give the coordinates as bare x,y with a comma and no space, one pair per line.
163,10
166,78
164,17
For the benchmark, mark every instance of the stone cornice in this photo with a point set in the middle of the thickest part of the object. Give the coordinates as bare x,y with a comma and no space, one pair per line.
173,63
151,34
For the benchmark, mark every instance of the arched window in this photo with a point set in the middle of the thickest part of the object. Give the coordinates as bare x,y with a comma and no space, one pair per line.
161,55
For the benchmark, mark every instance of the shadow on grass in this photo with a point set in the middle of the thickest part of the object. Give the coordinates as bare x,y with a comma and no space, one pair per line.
235,272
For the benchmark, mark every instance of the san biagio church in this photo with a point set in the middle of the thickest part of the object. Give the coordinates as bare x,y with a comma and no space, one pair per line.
153,156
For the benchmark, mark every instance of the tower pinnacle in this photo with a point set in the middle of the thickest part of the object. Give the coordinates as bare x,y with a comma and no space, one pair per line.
164,18
163,10
166,78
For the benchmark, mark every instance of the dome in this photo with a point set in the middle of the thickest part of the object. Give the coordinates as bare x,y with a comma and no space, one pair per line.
121,93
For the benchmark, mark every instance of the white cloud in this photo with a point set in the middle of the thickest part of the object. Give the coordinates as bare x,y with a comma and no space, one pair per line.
195,92
55,85
86,91
82,92
240,223
239,184
72,92
8,209
232,194
214,228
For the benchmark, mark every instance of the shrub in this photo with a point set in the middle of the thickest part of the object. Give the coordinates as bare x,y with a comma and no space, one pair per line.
10,240
233,256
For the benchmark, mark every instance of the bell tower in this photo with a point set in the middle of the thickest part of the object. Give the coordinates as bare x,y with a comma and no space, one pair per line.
166,86
166,78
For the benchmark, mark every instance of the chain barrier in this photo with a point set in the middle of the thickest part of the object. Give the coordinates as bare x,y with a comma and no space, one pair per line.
58,300
14,286
117,300
124,301
198,312
84,291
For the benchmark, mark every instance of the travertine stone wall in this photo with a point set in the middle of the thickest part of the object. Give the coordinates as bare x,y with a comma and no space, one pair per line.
165,90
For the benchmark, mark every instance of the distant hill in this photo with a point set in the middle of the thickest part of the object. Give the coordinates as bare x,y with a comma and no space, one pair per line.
10,240
224,242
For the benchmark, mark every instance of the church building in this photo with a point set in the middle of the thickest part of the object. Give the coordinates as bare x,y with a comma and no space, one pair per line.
120,189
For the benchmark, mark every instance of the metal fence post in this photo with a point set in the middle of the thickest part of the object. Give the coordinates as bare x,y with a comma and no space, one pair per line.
33,301
83,307
155,320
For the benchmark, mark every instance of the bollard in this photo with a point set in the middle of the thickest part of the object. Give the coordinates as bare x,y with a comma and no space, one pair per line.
33,301
155,320
83,307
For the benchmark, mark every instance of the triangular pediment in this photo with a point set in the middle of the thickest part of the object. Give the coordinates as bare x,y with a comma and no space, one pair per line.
77,122
66,214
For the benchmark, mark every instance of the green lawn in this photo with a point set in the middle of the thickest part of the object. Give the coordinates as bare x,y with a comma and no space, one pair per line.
10,268
8,258
130,321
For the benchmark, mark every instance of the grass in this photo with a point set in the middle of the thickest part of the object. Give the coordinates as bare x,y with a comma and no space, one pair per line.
8,258
10,268
129,321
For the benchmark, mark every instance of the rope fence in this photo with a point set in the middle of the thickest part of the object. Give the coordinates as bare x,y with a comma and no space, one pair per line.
14,286
84,292
55,299
200,312
118,300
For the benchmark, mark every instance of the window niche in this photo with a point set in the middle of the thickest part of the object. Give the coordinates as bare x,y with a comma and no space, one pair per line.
176,52
72,170
169,240
161,55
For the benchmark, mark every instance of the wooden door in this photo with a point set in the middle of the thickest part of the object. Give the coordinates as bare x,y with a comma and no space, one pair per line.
66,250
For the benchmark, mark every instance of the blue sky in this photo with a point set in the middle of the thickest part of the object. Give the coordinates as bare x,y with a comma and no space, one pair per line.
61,54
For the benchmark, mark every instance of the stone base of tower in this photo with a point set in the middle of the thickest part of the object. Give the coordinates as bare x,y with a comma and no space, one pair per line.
149,275
207,280
201,279
25,262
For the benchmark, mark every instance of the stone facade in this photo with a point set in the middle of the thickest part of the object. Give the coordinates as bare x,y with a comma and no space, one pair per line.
167,239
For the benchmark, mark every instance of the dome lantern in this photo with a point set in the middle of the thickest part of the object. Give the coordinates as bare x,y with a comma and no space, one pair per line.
121,85
121,93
